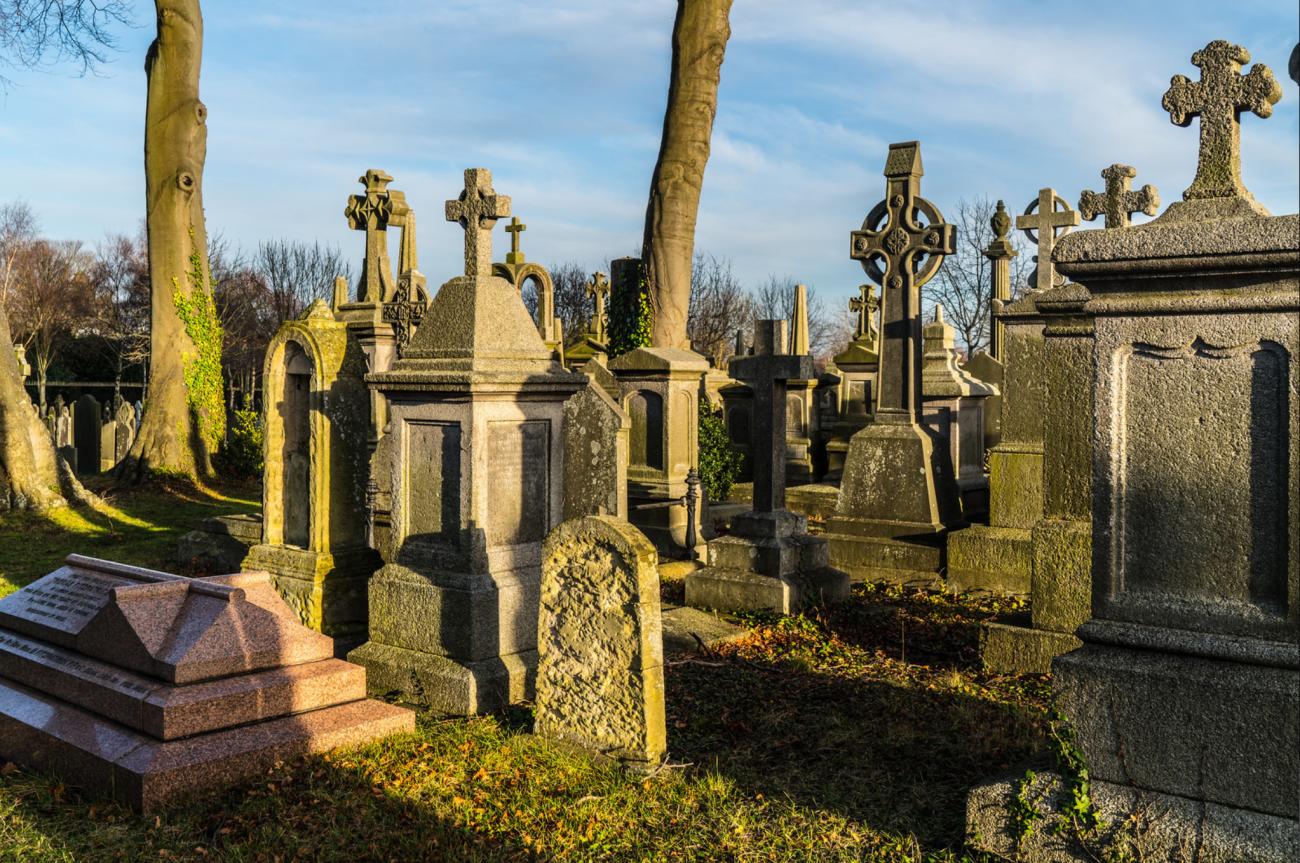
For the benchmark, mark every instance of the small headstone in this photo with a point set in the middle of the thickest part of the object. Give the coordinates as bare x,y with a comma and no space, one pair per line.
146,686
1053,220
87,423
600,677
124,433
596,439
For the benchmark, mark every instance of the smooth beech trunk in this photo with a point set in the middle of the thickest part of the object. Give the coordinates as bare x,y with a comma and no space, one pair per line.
700,36
182,421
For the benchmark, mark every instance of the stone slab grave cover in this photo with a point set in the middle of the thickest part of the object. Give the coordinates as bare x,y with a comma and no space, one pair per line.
474,464
768,561
145,686
314,488
898,496
600,675
1187,686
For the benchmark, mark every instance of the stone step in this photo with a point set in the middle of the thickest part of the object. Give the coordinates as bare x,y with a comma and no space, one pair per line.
103,757
170,712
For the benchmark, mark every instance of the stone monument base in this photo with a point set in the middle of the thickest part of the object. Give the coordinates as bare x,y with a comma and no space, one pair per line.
815,500
152,686
914,561
1164,827
327,590
1006,648
768,562
445,685
219,544
478,654
990,558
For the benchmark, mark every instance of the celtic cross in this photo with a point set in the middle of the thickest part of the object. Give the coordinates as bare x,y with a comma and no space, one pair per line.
477,210
370,212
514,229
865,307
1218,99
1118,202
1045,228
911,251
598,289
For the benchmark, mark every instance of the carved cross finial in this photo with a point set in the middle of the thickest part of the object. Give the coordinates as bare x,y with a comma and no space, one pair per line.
477,210
597,289
865,306
1044,228
370,212
1119,202
514,229
1218,99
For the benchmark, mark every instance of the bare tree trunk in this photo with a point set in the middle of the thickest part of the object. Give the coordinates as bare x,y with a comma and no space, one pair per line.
184,418
700,36
32,476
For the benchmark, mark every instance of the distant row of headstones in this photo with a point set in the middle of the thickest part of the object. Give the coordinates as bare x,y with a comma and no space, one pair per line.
91,436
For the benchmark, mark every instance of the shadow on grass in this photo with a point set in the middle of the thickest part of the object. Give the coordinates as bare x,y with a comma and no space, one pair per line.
893,757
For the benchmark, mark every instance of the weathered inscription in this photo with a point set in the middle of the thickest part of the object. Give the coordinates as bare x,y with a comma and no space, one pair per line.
53,658
63,601
518,495
432,481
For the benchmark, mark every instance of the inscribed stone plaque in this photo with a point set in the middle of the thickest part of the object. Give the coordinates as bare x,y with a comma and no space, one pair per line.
518,485
57,608
431,465
1200,496
647,411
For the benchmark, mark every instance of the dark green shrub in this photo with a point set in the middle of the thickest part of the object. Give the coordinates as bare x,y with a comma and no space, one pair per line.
241,452
720,461
630,313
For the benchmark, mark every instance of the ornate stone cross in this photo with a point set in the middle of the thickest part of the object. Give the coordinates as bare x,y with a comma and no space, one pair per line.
1218,99
864,306
1045,228
370,212
514,229
477,210
912,252
598,289
1119,202
766,371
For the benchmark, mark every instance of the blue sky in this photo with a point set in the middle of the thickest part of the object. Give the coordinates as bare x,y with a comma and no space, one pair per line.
563,101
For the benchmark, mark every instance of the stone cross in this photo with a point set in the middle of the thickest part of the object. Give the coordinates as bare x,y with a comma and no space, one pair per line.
1045,228
1218,99
1119,202
514,229
370,212
597,289
766,371
999,252
912,253
865,307
477,210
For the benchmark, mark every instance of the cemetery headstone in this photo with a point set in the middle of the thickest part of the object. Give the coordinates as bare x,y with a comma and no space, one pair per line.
475,479
87,420
145,686
896,498
314,484
1185,697
406,308
1053,220
596,439
768,561
595,339
107,440
1119,202
952,406
600,675
856,367
124,431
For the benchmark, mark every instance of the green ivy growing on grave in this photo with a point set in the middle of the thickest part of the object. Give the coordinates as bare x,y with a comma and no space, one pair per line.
203,382
720,461
630,316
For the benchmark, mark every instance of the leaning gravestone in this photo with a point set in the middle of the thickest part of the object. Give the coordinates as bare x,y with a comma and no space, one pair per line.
145,686
87,422
600,675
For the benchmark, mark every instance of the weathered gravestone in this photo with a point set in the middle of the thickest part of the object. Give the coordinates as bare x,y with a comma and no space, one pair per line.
897,497
768,561
124,431
594,340
600,675
1185,697
518,271
145,686
952,406
1053,220
596,440
856,367
475,465
87,420
314,489
63,434
107,440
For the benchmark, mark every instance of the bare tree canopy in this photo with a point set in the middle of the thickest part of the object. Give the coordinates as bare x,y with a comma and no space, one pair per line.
571,304
964,284
76,31
719,307
774,300
296,273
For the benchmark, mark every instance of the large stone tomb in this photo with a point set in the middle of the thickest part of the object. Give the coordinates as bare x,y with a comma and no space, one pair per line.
145,686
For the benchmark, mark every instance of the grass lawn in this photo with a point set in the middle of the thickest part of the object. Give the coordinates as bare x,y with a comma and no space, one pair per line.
852,733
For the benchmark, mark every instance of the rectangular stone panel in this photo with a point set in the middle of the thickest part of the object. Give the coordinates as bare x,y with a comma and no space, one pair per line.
431,480
58,607
519,455
1199,495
